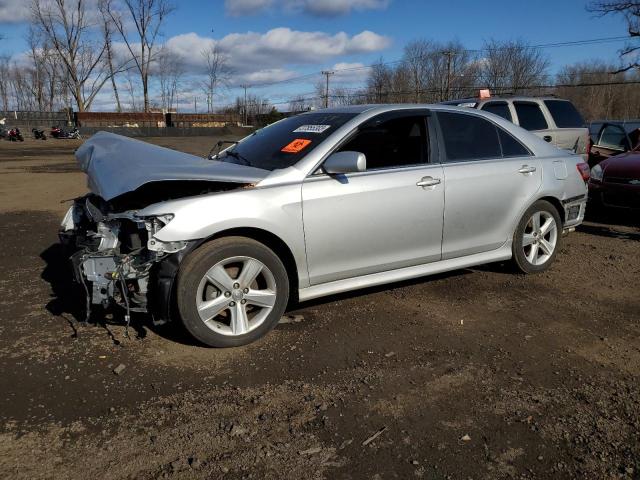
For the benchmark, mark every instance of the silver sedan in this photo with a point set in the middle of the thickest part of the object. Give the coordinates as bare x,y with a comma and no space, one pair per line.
320,203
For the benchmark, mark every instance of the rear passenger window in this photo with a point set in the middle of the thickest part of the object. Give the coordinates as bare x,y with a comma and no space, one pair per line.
468,137
564,114
499,108
530,116
510,146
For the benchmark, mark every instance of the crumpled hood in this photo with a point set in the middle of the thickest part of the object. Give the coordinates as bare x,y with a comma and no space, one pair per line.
115,164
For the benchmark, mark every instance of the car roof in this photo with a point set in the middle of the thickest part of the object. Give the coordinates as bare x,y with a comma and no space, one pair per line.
385,107
516,98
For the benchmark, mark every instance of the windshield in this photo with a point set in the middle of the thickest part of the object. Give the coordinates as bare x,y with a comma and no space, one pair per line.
284,143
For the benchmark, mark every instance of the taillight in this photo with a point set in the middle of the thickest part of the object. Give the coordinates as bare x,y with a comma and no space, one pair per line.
583,169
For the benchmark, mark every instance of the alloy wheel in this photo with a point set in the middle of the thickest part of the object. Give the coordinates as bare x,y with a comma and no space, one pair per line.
540,238
236,295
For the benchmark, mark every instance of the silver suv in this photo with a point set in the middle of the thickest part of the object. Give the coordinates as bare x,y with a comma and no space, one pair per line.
553,119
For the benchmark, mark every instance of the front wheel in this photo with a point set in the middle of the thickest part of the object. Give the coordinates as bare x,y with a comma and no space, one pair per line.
231,291
537,238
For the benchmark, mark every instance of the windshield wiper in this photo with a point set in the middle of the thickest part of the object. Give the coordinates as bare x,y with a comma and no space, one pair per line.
218,145
235,154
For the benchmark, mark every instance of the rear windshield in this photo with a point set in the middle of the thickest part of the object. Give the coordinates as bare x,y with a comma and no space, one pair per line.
284,143
564,114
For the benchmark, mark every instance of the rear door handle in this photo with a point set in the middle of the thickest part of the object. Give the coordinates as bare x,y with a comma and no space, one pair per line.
428,182
547,138
527,169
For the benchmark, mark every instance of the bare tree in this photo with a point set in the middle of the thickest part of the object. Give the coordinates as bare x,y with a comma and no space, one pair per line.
170,71
107,27
299,104
147,16
598,92
5,81
379,82
217,73
66,28
512,66
630,9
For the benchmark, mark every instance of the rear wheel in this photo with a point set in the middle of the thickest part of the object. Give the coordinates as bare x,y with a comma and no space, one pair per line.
537,238
231,291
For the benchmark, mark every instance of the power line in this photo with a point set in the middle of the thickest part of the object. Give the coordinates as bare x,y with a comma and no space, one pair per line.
572,43
387,93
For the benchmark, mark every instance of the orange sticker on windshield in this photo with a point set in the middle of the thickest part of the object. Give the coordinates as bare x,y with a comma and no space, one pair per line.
296,146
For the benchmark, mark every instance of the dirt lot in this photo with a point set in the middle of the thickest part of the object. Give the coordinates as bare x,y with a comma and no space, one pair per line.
480,373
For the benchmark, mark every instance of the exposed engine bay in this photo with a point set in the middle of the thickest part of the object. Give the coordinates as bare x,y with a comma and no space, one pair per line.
115,251
116,256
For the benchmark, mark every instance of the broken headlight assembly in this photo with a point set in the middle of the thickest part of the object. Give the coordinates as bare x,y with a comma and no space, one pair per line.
154,225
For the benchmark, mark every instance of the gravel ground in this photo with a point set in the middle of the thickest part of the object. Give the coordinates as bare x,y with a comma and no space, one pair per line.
479,373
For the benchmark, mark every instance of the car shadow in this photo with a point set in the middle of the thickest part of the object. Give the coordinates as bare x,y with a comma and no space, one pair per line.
609,231
353,294
613,217
68,300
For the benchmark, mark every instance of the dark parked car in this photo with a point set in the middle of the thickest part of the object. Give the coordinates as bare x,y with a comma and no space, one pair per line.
615,181
610,138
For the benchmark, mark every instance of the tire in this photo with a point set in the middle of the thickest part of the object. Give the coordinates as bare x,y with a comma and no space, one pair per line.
536,242
220,300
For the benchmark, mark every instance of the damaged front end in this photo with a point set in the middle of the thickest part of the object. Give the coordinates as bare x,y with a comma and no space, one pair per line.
116,255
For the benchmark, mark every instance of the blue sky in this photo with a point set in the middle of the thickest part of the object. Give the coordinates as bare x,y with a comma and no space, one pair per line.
271,40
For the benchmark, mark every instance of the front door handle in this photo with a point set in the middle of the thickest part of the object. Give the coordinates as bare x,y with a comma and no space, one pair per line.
527,169
428,182
547,138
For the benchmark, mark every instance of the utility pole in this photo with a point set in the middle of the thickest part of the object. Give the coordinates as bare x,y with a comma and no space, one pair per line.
245,104
327,73
449,54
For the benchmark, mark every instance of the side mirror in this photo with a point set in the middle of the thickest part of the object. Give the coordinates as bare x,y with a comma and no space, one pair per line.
345,162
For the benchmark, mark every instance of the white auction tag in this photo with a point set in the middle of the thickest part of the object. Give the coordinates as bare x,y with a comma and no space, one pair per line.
311,128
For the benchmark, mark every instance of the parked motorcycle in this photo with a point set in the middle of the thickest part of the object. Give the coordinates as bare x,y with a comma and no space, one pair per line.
38,134
15,135
57,132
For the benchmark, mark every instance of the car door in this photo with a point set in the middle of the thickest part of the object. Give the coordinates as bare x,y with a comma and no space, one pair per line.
570,132
387,217
611,140
490,177
531,117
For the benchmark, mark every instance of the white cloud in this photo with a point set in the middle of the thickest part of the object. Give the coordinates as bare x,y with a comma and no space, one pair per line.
270,51
334,8
322,8
14,11
265,76
246,7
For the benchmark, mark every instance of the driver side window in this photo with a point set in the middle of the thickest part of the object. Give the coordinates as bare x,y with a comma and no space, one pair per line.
389,142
